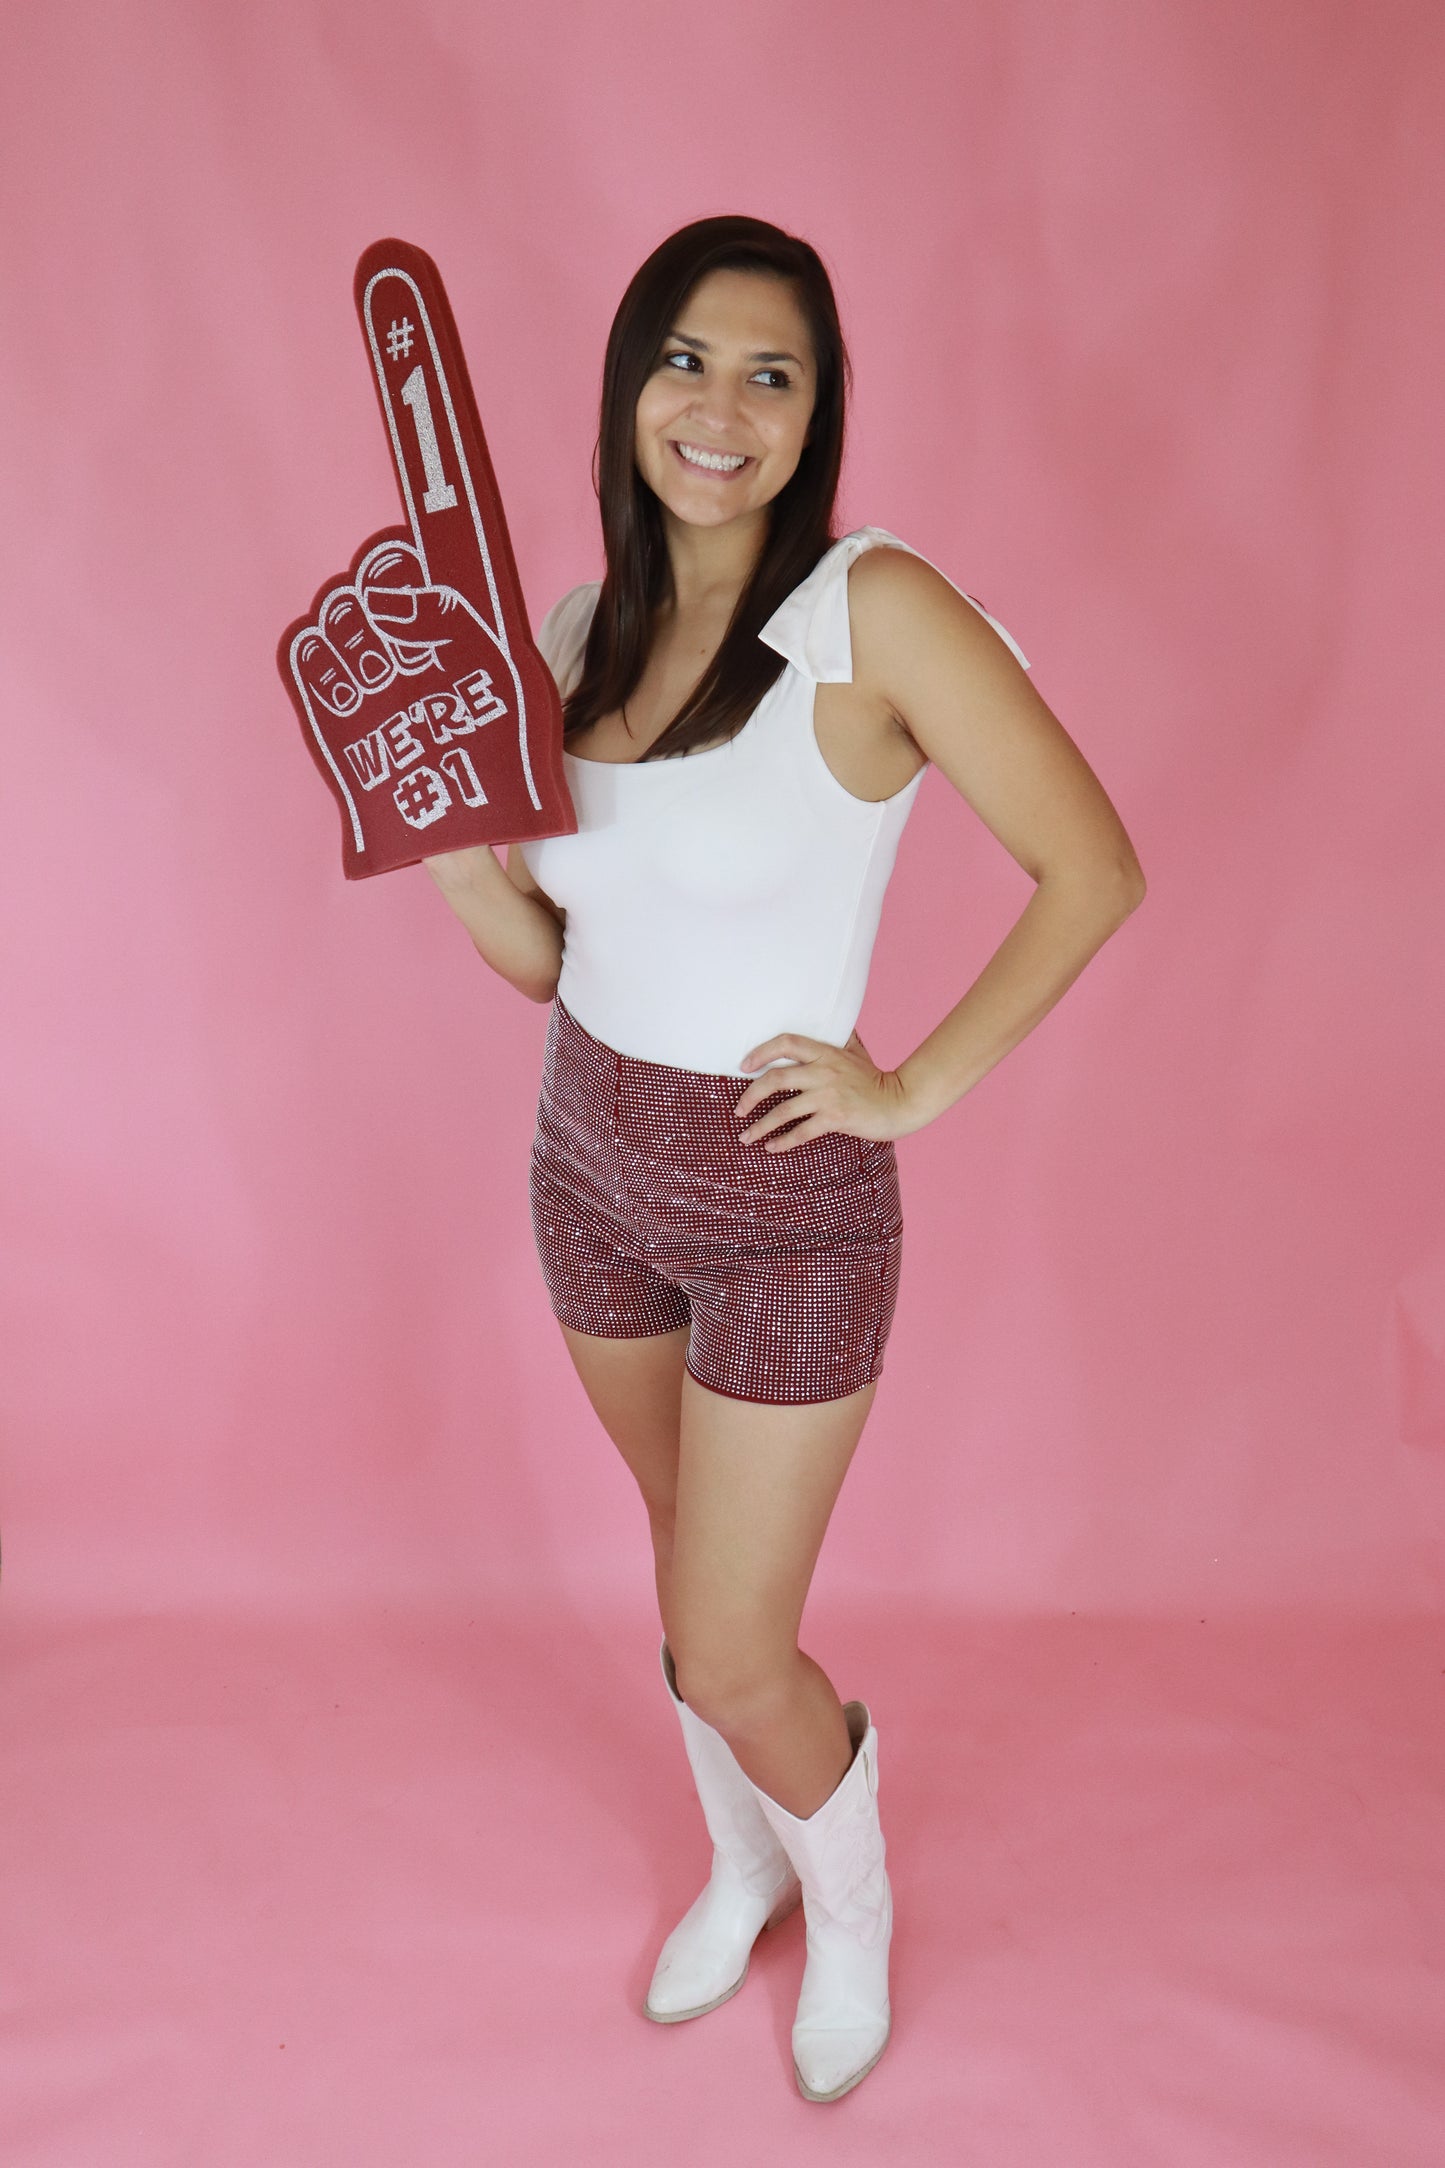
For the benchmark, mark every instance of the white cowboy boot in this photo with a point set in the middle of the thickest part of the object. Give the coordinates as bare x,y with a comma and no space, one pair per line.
842,2022
705,1958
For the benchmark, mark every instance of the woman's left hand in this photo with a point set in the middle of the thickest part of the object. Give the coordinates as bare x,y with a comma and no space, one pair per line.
835,1087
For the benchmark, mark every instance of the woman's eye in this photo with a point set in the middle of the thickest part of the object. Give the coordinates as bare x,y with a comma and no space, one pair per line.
680,354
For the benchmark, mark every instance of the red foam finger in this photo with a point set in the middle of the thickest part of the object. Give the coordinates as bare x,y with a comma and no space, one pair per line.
421,694
434,432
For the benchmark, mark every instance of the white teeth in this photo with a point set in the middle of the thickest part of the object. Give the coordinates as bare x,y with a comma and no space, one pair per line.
722,462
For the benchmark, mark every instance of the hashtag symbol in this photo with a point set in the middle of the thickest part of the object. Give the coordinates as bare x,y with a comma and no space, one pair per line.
398,340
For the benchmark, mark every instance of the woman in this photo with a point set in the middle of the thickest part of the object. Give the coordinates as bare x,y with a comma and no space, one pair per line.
722,1254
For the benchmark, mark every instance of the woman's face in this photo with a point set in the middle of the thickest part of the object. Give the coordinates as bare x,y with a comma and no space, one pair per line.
736,378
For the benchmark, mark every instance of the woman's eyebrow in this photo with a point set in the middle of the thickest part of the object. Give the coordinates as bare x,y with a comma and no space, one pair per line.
700,346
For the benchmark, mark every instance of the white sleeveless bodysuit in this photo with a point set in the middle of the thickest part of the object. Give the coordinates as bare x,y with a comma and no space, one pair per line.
720,897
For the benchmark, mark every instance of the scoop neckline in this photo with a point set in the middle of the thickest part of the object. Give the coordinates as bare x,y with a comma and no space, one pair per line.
581,760
703,752
870,804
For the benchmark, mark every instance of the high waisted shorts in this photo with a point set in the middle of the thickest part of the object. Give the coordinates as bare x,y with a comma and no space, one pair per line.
651,1213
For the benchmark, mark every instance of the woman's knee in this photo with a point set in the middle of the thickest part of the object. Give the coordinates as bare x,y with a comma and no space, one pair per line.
730,1684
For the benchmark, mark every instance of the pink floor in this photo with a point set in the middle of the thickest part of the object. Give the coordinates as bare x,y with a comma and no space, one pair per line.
389,1893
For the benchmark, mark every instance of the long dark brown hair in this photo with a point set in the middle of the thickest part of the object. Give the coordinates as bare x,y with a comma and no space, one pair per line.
800,523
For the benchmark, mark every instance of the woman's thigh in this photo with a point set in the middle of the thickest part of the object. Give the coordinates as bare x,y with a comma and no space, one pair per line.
756,1485
635,1387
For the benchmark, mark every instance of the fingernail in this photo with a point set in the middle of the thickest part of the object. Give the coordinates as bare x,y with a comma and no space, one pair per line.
395,605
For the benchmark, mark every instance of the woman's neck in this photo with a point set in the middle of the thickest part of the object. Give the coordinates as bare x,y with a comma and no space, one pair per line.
711,565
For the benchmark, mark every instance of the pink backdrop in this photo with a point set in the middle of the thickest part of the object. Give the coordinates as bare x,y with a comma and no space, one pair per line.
1145,322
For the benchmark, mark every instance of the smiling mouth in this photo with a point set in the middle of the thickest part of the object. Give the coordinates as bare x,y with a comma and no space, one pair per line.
699,460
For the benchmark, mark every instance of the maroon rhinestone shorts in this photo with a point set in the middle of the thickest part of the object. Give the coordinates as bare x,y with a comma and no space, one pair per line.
651,1213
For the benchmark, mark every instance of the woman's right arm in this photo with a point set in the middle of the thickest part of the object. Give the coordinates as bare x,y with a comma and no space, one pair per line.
513,925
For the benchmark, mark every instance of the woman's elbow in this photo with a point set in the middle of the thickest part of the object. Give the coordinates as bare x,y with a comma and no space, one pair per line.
1111,887
1132,885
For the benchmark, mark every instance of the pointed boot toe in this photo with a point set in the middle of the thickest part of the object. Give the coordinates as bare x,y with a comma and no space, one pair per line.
829,2064
704,1961
843,2017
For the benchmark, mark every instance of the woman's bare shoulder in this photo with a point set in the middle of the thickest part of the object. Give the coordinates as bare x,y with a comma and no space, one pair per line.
901,609
891,584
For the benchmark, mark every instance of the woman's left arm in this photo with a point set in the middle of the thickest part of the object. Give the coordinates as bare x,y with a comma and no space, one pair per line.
964,699
969,705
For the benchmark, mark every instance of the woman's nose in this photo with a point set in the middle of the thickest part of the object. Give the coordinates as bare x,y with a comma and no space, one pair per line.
717,403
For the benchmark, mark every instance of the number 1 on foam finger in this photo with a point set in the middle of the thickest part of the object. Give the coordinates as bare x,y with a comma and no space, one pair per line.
440,496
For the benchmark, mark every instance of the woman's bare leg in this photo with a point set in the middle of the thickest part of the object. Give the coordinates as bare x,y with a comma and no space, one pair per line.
635,1387
755,1487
